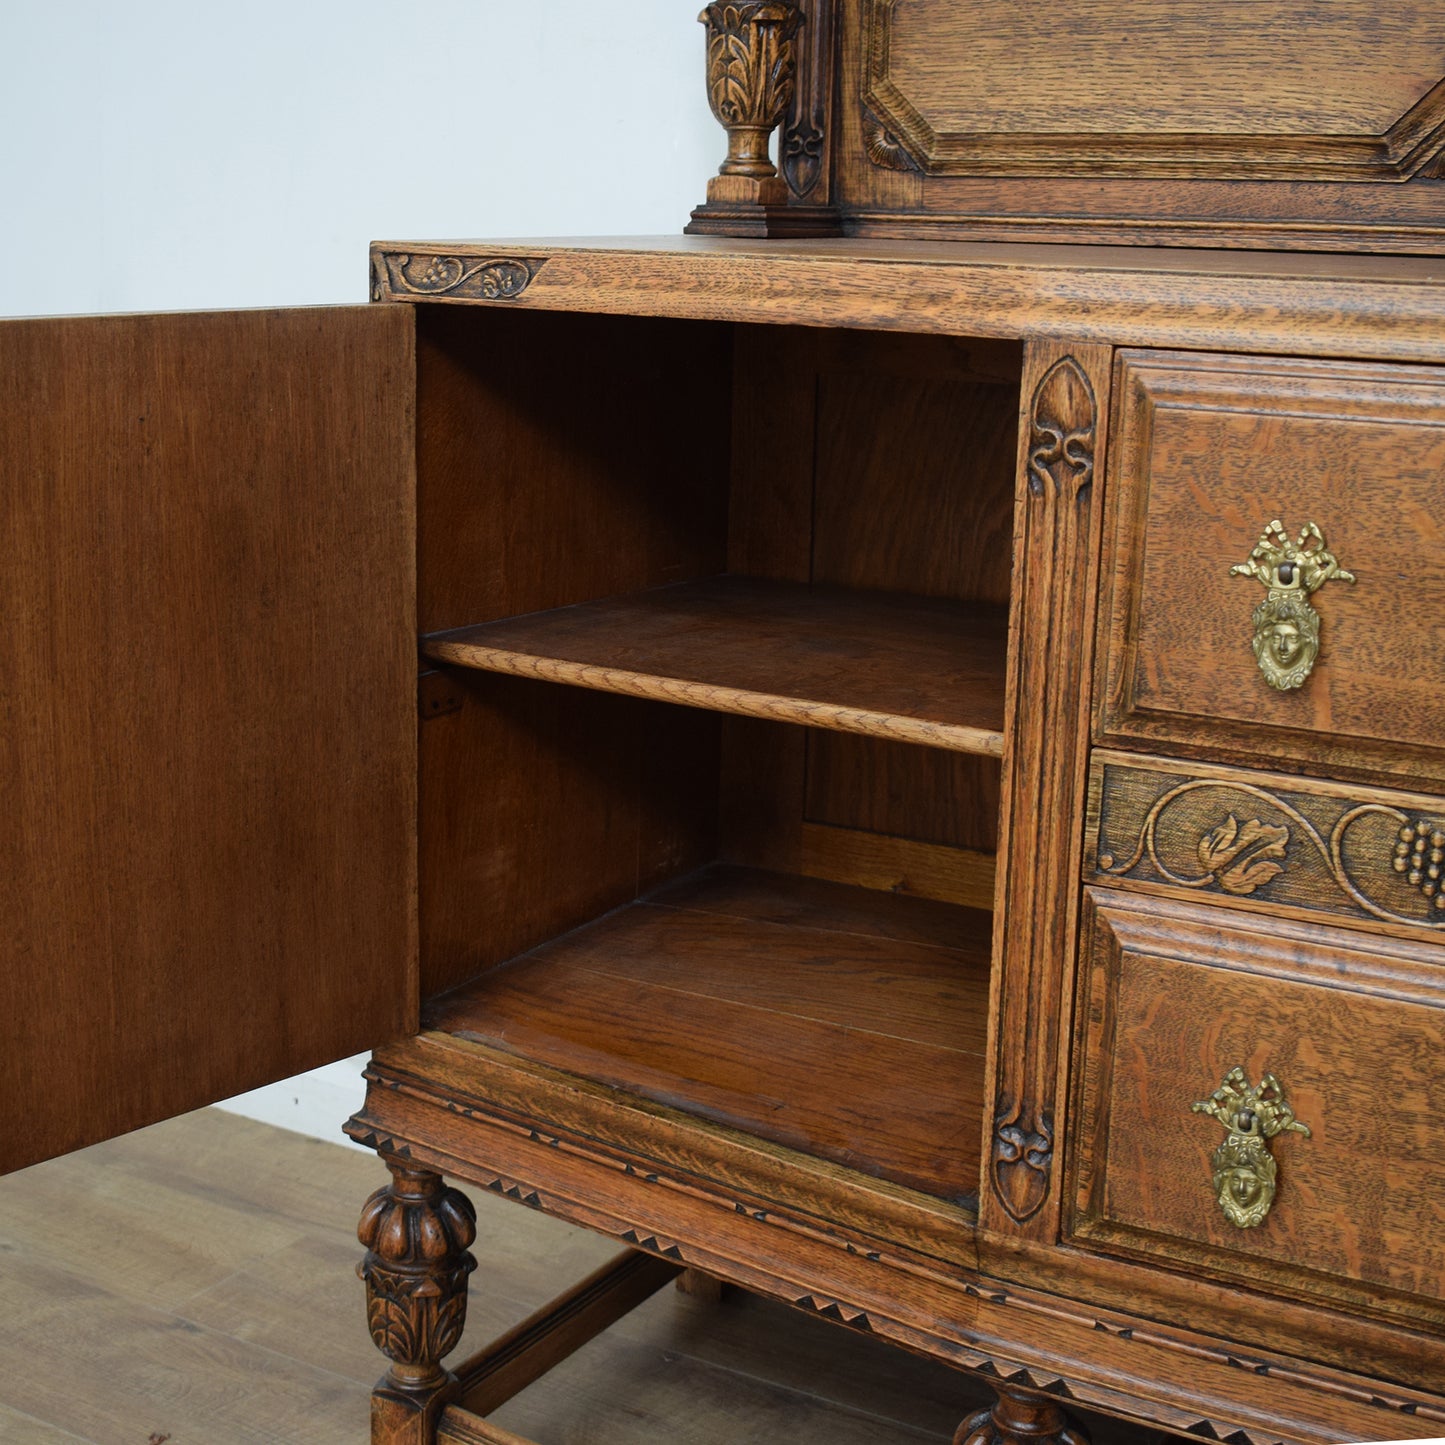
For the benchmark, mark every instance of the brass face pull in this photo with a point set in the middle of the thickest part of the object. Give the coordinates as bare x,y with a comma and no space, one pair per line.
1244,1169
1286,627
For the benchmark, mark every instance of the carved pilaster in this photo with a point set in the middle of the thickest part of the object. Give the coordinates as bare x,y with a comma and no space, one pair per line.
752,82
1020,1417
416,1231
804,150
1056,531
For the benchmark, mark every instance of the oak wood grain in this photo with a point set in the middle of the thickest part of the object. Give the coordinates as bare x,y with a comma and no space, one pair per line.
898,865
1211,450
886,665
1381,307
454,1103
865,1050
1270,844
549,1335
524,505
1350,90
1062,434
1176,996
208,868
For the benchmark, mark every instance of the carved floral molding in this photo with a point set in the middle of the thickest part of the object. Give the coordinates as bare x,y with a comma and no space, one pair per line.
455,278
1329,853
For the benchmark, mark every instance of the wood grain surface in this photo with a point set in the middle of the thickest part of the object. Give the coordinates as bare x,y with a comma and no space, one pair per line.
261,1337
1352,90
1354,1027
819,1025
208,865
1059,508
547,474
863,1251
1388,308
1211,450
1269,844
886,665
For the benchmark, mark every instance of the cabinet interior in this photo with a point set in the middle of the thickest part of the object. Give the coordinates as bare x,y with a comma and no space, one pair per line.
768,906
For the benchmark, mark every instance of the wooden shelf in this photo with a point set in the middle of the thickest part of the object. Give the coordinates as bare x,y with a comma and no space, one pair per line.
908,668
841,1022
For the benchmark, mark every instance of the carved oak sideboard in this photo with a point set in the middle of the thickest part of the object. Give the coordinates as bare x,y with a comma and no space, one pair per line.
924,791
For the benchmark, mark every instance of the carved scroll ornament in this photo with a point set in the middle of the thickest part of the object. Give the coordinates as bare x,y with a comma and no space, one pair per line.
453,277
1061,446
1247,838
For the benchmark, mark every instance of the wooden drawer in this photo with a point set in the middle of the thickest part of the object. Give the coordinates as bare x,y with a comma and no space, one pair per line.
1173,997
1275,845
1209,451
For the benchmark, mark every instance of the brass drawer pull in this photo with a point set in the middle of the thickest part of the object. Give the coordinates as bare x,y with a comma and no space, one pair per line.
1286,627
1244,1169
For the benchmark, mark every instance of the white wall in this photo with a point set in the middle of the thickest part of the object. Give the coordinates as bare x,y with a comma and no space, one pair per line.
165,154
172,155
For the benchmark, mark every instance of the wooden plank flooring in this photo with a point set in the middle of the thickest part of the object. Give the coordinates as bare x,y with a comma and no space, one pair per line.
194,1284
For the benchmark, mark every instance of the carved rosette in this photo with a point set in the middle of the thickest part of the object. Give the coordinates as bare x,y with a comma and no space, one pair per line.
883,147
416,1231
751,76
1023,1154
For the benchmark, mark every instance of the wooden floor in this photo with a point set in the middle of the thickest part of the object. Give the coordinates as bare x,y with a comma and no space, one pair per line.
194,1284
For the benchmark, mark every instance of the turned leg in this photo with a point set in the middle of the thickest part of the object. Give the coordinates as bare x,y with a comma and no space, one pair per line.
702,1286
416,1232
1020,1417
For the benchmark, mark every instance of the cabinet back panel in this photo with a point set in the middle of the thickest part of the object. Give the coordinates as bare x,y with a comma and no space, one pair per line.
207,753
570,458
565,458
561,459
881,462
544,806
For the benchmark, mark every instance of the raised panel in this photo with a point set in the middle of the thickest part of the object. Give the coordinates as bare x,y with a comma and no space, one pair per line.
207,684
1173,997
1279,90
1209,452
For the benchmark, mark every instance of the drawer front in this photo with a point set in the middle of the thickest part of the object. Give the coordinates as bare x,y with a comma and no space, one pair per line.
1268,843
1175,997
1348,675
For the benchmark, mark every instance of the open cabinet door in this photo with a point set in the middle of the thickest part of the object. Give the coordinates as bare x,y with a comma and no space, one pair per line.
207,709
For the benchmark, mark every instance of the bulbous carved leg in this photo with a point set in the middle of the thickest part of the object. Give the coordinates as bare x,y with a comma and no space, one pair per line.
1020,1417
416,1231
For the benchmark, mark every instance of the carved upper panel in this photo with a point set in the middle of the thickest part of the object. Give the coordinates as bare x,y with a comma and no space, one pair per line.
1274,90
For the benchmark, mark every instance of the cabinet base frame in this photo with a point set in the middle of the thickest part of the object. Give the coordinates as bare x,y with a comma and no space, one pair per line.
908,1270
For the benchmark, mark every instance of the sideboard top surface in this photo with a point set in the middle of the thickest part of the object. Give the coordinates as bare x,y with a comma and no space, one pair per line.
1382,307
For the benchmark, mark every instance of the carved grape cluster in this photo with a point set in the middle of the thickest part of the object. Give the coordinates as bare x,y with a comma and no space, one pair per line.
1420,855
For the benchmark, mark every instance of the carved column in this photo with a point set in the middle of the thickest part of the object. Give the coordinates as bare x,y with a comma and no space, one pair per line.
1020,1417
752,85
1056,543
416,1231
